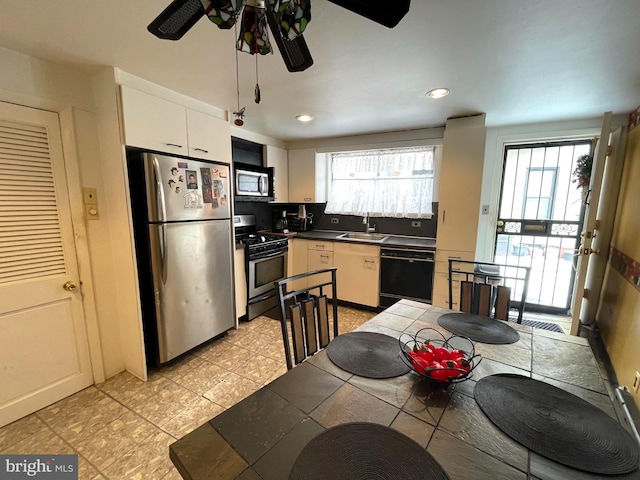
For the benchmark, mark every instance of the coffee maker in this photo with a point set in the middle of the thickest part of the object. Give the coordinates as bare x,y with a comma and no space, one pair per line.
280,223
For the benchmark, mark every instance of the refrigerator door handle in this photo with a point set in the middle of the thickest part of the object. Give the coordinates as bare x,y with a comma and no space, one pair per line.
161,202
163,252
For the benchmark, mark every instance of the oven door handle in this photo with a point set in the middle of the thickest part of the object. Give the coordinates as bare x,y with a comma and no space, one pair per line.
260,256
410,259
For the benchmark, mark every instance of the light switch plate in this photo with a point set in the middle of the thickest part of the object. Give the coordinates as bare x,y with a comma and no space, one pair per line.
90,196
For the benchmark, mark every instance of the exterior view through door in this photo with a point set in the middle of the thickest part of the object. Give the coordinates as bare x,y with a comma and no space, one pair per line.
540,218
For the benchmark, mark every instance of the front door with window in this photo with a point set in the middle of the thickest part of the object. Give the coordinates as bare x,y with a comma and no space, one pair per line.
44,354
540,215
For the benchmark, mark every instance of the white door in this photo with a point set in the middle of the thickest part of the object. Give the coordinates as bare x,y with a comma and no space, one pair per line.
580,301
44,353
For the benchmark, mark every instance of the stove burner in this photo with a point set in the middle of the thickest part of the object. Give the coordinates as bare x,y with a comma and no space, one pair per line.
253,238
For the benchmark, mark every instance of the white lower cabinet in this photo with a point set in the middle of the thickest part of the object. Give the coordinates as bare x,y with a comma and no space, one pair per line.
297,262
241,282
319,257
441,278
358,275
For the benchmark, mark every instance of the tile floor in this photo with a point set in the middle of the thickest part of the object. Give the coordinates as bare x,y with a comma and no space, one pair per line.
122,428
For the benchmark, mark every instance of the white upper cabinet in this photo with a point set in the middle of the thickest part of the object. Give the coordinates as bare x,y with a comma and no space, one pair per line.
157,124
208,137
154,123
308,176
461,183
278,159
459,197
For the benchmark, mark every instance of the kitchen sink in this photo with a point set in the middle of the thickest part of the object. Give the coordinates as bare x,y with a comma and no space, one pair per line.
369,237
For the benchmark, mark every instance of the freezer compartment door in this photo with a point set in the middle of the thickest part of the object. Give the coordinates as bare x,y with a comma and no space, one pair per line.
193,283
184,189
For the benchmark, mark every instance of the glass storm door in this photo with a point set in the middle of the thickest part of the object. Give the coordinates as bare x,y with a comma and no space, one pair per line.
540,218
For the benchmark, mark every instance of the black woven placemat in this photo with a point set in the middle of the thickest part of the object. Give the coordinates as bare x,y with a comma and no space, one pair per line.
557,424
367,354
365,451
478,328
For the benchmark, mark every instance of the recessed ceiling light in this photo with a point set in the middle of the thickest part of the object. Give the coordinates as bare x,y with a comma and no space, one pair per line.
304,118
438,93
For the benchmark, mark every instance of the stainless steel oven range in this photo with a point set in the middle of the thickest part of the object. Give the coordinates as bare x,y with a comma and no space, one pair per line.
265,263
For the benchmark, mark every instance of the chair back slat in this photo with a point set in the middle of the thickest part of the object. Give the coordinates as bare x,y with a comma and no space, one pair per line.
297,333
466,296
310,326
503,302
323,321
482,299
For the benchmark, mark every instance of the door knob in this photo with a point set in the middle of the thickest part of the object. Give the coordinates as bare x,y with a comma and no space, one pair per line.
500,223
70,286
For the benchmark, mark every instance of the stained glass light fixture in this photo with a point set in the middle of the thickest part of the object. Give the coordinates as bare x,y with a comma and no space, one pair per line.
291,17
286,19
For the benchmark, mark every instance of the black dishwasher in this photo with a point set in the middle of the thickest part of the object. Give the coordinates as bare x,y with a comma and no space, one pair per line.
405,273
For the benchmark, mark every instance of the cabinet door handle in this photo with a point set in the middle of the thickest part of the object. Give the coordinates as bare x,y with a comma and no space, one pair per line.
320,246
173,145
324,256
369,261
201,150
444,216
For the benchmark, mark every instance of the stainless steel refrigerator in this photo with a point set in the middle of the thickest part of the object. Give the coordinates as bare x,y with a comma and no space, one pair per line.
182,222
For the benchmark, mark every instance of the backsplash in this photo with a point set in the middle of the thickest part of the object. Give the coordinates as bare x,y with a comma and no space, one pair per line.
394,226
346,223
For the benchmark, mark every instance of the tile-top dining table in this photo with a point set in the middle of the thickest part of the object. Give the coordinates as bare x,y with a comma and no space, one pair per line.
262,436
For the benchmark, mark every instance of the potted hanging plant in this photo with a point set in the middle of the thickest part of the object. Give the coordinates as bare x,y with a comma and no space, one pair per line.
582,174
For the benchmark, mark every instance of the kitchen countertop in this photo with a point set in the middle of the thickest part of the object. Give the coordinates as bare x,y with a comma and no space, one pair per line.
422,243
260,437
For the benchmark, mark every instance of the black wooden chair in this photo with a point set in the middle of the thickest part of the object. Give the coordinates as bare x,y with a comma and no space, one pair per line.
306,311
484,288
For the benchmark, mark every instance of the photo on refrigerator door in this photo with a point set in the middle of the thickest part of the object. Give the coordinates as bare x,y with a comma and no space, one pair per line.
207,195
192,179
206,176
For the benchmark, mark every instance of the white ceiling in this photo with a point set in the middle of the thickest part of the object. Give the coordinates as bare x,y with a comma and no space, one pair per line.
518,61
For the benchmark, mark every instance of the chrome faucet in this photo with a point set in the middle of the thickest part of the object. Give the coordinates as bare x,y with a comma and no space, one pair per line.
365,221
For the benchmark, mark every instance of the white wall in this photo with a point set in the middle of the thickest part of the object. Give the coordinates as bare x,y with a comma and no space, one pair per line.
102,265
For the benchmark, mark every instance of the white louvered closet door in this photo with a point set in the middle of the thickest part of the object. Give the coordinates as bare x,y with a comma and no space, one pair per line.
44,353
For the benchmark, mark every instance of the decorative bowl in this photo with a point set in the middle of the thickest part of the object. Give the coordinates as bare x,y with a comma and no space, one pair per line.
431,355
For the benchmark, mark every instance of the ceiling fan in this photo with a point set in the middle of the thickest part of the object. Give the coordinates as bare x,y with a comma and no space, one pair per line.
286,18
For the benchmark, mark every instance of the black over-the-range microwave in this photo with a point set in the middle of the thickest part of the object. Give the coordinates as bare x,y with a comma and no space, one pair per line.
253,183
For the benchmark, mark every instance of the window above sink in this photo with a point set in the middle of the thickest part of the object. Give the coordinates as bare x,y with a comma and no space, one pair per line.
396,183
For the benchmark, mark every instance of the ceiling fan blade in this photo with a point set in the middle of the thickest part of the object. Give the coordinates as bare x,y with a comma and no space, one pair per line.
383,12
177,19
295,53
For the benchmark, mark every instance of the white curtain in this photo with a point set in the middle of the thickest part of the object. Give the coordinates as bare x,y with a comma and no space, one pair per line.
382,183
